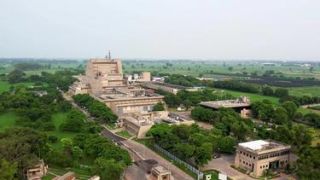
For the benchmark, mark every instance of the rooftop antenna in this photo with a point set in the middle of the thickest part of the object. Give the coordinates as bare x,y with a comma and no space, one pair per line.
109,55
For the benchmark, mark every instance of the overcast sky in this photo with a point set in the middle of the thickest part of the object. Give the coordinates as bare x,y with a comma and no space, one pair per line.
201,29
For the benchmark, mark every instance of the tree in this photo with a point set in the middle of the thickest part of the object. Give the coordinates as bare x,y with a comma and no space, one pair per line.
184,150
187,103
281,92
75,121
280,116
8,170
23,146
16,76
227,144
291,108
202,114
158,107
267,90
107,168
203,154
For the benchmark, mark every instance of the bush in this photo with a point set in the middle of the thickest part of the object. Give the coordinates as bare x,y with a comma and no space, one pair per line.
52,139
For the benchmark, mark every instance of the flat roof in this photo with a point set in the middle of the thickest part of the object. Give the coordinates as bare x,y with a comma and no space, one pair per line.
225,104
263,146
254,145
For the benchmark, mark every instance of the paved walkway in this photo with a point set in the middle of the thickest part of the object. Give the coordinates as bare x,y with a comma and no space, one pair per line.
222,164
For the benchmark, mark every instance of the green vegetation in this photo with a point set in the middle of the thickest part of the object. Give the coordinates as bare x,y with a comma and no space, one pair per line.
97,109
158,107
191,144
252,96
48,127
124,134
7,120
305,91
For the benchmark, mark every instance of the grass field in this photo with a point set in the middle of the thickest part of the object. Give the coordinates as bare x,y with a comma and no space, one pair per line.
208,68
253,97
5,86
305,91
7,120
124,134
58,119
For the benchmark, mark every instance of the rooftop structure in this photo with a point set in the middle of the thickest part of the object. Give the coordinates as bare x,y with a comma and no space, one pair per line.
261,155
242,102
262,146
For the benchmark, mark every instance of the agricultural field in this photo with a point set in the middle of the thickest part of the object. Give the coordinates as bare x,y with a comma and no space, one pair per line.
253,97
305,91
209,68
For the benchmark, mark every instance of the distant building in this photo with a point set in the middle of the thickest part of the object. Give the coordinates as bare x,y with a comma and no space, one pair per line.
260,155
241,105
138,78
170,88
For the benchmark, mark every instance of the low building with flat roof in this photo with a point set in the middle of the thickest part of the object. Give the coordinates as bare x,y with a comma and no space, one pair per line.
261,155
241,105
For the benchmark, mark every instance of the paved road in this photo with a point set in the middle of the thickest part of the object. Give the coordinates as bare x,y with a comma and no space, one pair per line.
146,153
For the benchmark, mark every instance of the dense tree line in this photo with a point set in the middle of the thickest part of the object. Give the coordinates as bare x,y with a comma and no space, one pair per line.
236,85
108,160
33,111
28,66
226,120
304,100
21,148
189,99
191,144
96,108
283,114
182,80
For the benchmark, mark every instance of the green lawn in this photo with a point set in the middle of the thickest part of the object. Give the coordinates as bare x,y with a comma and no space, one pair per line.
305,91
5,85
57,119
253,97
124,134
7,120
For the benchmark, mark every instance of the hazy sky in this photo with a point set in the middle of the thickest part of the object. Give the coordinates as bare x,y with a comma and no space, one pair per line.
202,29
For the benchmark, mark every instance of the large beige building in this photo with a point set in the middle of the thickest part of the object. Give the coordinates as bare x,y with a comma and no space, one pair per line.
104,80
258,156
102,73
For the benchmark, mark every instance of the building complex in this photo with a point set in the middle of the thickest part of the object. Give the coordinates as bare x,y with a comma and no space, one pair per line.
104,80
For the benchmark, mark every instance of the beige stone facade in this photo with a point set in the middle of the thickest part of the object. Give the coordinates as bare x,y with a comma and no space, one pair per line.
259,156
104,80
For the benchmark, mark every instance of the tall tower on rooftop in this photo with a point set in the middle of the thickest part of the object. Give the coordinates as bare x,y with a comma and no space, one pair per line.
104,73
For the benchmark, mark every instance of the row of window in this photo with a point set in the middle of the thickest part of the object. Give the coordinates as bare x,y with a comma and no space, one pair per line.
247,154
264,166
273,155
246,163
